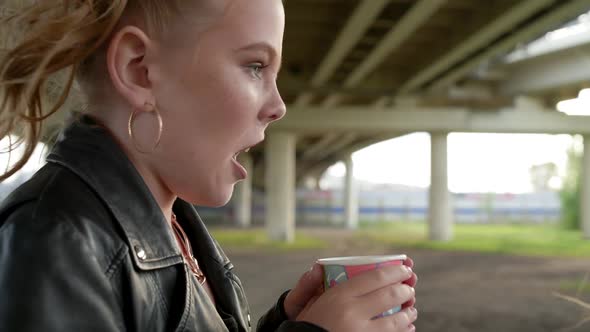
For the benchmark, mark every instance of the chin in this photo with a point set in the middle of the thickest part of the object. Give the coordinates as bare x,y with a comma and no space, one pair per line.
216,199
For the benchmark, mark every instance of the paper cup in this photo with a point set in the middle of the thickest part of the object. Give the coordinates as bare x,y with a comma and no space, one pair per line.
340,269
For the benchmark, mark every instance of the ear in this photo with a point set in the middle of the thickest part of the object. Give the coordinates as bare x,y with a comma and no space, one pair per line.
127,67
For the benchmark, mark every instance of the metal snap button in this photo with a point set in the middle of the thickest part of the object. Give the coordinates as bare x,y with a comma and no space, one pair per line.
140,253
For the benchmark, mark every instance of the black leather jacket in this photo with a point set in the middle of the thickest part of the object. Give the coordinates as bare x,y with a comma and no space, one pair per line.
85,247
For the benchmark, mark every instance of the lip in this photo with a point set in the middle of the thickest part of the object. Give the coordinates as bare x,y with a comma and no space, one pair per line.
246,149
251,146
240,171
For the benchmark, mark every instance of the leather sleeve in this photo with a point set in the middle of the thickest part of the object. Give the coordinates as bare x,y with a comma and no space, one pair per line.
276,320
50,280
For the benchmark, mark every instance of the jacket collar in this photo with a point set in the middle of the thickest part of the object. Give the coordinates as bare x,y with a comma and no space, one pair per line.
88,150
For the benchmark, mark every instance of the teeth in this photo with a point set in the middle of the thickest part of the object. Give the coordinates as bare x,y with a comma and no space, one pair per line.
237,153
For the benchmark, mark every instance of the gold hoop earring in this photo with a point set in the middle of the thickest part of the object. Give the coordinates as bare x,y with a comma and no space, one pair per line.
150,109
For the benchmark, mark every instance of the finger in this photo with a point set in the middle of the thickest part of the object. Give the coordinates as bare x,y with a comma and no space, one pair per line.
370,281
412,281
315,277
409,262
307,306
409,304
399,322
385,298
307,287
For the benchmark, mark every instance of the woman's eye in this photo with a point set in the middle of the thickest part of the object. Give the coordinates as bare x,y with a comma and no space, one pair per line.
256,69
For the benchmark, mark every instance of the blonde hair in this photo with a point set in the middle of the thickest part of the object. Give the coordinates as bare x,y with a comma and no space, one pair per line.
58,36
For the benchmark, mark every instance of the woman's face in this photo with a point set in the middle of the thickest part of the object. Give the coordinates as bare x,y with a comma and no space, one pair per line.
217,94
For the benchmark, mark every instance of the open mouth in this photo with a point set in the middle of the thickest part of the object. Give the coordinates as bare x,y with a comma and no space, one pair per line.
235,157
246,149
241,172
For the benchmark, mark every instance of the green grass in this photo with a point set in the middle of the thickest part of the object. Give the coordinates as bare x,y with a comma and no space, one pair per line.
258,239
530,240
581,286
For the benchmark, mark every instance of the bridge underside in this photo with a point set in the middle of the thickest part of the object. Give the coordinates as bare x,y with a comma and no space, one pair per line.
357,72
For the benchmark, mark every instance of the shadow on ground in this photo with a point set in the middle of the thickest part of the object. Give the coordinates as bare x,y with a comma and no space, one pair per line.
456,292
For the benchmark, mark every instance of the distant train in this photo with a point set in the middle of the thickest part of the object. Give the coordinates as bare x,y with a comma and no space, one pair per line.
326,207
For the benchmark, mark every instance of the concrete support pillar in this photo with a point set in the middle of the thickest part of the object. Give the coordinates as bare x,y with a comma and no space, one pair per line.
243,194
440,218
527,103
585,190
351,201
280,186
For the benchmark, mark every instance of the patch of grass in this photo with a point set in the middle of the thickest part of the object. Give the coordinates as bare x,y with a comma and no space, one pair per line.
515,239
578,287
258,239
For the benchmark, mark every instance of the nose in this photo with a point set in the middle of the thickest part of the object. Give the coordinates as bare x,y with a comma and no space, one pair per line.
275,109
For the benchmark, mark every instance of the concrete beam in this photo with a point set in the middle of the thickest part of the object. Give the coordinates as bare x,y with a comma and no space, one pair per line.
371,121
477,41
364,15
321,166
332,100
343,141
548,72
316,149
337,143
322,150
566,11
404,29
552,45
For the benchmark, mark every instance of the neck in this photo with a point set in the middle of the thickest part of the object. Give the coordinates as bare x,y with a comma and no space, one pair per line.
117,126
163,196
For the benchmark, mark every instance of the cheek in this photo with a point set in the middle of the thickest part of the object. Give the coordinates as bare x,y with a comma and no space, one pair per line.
232,105
209,114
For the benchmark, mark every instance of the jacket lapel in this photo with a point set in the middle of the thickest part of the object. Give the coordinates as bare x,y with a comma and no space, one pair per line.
226,287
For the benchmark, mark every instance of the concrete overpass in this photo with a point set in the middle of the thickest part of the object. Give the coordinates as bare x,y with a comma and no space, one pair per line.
357,72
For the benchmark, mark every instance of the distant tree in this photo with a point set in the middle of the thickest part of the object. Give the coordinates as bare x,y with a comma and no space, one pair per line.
541,175
571,190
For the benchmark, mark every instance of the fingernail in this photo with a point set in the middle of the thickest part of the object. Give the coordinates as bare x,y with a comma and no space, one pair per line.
413,290
315,269
413,312
409,269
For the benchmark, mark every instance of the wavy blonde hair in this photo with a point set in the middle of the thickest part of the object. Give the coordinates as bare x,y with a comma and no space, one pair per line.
59,36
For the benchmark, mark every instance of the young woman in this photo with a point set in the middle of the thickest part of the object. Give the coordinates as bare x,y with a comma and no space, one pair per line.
104,237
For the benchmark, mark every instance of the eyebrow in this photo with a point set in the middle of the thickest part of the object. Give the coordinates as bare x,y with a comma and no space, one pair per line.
264,46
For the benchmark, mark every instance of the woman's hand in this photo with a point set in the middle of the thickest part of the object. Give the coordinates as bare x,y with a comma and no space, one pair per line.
308,288
412,281
360,299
